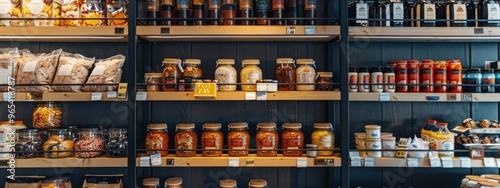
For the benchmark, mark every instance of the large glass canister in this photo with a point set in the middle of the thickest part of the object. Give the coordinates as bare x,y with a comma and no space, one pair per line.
117,143
186,140
59,144
267,139
249,74
153,80
29,143
225,73
292,139
285,73
212,140
192,72
323,137
171,74
306,74
238,139
90,143
157,139
47,115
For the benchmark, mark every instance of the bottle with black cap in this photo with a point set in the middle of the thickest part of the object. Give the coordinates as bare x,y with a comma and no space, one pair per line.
377,78
353,79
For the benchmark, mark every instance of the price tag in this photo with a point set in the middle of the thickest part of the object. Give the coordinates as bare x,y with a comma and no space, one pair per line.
355,161
111,94
261,95
155,159
310,30
250,96
122,90
465,162
412,162
490,162
384,97
447,162
261,86
144,161
301,162
141,96
466,97
5,96
369,162
234,162
354,154
249,162
96,96
451,97
435,162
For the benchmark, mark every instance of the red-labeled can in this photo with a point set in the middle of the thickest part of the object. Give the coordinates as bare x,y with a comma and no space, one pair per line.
401,76
455,75
440,76
413,76
427,75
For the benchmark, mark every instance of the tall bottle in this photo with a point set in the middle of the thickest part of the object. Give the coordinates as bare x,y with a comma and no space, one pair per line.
152,9
489,10
359,11
228,12
262,11
424,12
214,11
456,14
310,7
167,11
364,79
198,11
292,8
353,79
455,76
397,13
278,8
472,14
374,14
183,7
246,11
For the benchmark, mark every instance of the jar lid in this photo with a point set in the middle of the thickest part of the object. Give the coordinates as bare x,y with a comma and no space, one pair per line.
353,69
493,176
292,125
225,62
373,139
372,126
173,181
88,129
266,125
475,70
284,60
227,183
361,136
488,70
157,126
474,178
389,69
58,130
151,181
376,69
152,75
440,62
251,62
322,126
471,176
364,69
442,124
171,61
325,74
257,183
192,61
118,130
212,126
455,61
401,62
489,183
311,145
427,61
185,126
305,61
238,125
430,121
413,61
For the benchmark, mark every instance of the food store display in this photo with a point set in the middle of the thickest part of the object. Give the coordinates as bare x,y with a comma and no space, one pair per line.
473,134
90,143
47,115
59,144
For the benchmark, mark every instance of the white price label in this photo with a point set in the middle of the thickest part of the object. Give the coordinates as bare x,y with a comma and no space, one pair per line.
465,162
301,162
234,162
111,94
261,95
490,162
435,162
447,162
412,162
355,161
96,96
354,154
310,30
384,97
369,162
250,96
261,86
5,96
141,96
155,159
144,161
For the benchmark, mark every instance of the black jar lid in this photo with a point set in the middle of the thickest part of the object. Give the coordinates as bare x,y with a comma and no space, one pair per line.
376,69
364,69
488,70
475,70
353,69
389,69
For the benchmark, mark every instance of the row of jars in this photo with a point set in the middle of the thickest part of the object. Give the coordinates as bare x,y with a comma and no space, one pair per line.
174,75
238,139
177,183
58,143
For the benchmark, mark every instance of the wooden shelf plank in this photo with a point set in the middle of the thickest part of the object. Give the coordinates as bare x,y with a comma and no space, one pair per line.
63,96
485,97
65,34
425,34
240,96
69,162
358,96
422,162
423,97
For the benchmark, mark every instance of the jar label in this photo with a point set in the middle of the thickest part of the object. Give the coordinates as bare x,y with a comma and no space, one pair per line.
278,4
326,141
444,145
361,13
212,143
185,143
239,143
35,6
245,4
429,13
364,79
171,81
305,76
353,80
398,12
214,4
459,13
253,77
268,142
5,6
292,143
153,143
493,13
262,5
427,78
310,4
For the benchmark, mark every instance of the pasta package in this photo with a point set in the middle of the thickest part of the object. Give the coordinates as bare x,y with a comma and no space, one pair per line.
37,69
10,9
9,58
106,71
72,69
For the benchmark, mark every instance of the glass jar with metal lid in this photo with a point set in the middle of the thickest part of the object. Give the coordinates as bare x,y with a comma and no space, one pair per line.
285,73
59,144
212,140
257,183
238,139
153,80
249,74
292,139
324,81
47,115
186,140
151,183
226,74
323,137
117,143
306,74
173,183
267,139
90,143
193,69
29,143
171,73
157,139
228,183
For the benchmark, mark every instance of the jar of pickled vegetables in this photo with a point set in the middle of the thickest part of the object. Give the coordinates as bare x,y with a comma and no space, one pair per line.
292,139
306,74
238,139
323,137
212,140
267,139
249,74
59,144
186,140
285,73
90,143
324,81
226,74
171,74
157,139
153,80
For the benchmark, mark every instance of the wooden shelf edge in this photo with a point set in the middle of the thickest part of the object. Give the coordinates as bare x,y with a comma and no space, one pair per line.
422,163
63,97
425,34
65,34
240,96
70,162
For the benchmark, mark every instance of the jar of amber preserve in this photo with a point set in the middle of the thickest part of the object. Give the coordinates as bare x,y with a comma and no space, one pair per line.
157,138
292,139
323,137
267,139
192,73
171,74
249,74
153,80
186,140
285,73
212,140
324,81
238,139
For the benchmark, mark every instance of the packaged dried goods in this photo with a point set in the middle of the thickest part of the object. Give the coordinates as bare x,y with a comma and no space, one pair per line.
38,9
153,80
117,143
90,143
212,140
323,137
267,139
59,144
292,139
285,73
157,139
37,69
106,71
306,74
72,69
10,9
226,74
249,74
91,12
238,139
172,72
117,10
47,115
70,9
29,143
186,140
9,57
24,182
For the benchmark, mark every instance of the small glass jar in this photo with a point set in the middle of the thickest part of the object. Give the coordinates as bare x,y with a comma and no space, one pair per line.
186,140
29,143
323,137
226,74
157,138
59,144
324,81
117,143
153,80
90,141
312,151
257,183
292,139
267,139
306,74
193,69
238,139
47,115
249,74
171,73
228,183
285,73
212,140
151,183
173,183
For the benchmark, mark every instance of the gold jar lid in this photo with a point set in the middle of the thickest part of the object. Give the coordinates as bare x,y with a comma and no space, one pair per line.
212,126
192,61
250,62
292,125
238,125
305,61
171,61
266,125
173,181
227,183
284,60
325,74
257,183
152,75
157,126
323,126
151,181
185,126
225,62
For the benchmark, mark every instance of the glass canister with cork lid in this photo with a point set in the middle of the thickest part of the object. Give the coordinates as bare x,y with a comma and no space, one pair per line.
186,140
250,73
267,139
171,73
292,139
228,183
173,183
225,73
153,80
212,140
324,81
323,137
306,74
238,139
157,138
285,73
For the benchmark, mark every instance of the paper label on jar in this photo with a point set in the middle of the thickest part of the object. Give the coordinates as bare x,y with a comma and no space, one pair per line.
185,143
35,6
4,76
398,12
262,5
30,66
361,13
268,143
245,4
238,143
98,70
305,77
459,13
292,143
493,13
5,6
65,70
326,141
153,144
429,12
253,77
212,143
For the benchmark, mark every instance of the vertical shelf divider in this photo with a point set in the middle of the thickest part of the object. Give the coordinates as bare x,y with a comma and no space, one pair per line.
132,104
344,99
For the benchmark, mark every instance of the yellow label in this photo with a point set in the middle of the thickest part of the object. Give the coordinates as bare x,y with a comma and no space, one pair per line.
122,90
245,4
198,2
206,90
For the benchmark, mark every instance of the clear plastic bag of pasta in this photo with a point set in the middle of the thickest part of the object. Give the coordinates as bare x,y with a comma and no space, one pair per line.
9,58
37,69
106,74
72,69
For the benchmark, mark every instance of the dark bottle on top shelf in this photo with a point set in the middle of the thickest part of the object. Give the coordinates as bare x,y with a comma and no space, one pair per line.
278,7
456,14
214,11
407,13
472,13
440,14
489,13
291,11
374,14
310,12
183,11
228,12
246,11
262,11
152,10
167,11
198,11
359,11
424,13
